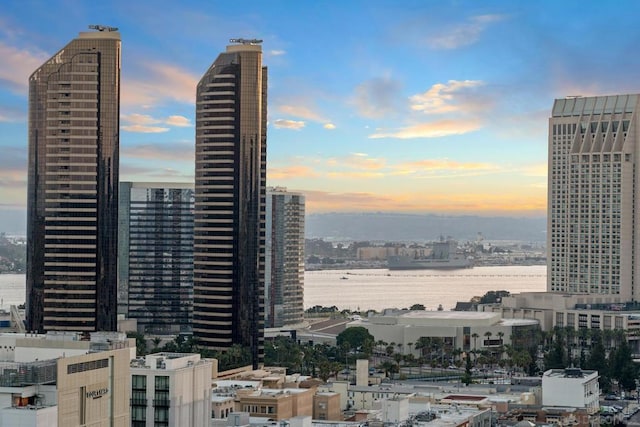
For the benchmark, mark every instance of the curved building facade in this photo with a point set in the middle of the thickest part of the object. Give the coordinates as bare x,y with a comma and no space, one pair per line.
229,220
72,228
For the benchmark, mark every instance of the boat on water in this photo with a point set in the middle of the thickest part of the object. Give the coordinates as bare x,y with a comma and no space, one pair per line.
441,256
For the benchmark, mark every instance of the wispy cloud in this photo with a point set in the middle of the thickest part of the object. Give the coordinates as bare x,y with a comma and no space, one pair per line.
17,65
178,121
477,203
329,126
12,115
445,164
463,34
377,98
158,83
180,151
300,111
435,129
291,172
276,52
288,124
144,123
13,176
453,97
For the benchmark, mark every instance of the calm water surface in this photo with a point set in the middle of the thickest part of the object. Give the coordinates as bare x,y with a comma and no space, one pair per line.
380,288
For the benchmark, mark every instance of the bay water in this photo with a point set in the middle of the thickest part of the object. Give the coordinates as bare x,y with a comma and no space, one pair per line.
380,288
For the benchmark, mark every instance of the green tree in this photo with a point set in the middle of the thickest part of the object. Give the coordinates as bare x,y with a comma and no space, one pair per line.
389,368
141,342
356,338
416,307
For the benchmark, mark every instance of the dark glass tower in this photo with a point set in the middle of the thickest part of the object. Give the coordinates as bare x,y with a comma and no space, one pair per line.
155,256
230,175
74,109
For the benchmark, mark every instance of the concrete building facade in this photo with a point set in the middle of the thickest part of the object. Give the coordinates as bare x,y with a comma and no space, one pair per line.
171,390
230,191
571,387
65,379
72,203
593,229
459,329
284,266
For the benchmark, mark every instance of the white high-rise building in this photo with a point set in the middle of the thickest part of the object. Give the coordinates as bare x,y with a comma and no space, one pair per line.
284,266
593,226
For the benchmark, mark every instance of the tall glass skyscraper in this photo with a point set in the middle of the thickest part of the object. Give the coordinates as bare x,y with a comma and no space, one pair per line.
230,175
155,256
593,212
74,109
284,267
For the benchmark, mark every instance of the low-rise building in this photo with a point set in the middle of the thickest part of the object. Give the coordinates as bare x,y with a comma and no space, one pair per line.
326,406
469,331
171,389
65,379
572,388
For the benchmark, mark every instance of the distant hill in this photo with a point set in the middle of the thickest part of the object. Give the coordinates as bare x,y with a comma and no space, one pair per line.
415,227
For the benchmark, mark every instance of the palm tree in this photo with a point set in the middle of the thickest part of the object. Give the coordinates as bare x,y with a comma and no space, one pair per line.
501,335
486,344
475,337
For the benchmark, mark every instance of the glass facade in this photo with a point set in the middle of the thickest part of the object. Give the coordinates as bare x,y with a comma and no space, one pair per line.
284,267
230,191
74,102
155,256
592,186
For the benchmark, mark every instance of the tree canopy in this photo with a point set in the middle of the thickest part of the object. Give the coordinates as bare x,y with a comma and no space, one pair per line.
357,338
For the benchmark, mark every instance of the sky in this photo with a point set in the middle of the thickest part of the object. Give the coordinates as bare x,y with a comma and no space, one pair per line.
374,106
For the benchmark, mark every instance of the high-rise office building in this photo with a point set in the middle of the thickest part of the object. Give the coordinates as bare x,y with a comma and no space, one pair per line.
74,109
155,256
593,204
230,175
284,266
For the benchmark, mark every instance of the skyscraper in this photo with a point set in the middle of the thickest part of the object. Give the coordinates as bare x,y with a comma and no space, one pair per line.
155,256
230,175
593,204
74,108
284,266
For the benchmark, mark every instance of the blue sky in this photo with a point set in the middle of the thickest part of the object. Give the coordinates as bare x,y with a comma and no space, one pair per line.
405,106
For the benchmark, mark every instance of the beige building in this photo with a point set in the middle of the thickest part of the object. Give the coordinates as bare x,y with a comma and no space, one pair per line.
593,227
65,379
277,404
574,311
93,389
171,390
458,329
326,406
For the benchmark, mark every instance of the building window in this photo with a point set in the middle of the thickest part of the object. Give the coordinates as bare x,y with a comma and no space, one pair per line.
162,383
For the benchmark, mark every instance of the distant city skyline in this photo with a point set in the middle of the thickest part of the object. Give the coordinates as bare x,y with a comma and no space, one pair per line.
422,107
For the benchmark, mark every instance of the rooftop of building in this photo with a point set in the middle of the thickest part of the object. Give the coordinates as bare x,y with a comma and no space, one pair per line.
168,361
571,373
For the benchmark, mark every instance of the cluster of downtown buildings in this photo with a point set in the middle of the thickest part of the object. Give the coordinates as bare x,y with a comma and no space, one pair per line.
223,258
218,258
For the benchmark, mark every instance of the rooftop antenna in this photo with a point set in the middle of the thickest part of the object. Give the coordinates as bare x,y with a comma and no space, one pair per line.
102,28
245,41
